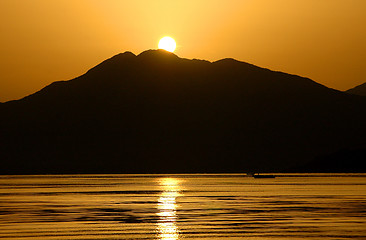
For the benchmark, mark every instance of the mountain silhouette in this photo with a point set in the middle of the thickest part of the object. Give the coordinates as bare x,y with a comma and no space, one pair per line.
345,160
358,90
159,113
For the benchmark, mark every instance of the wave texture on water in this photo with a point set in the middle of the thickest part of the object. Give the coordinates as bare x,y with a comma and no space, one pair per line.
185,206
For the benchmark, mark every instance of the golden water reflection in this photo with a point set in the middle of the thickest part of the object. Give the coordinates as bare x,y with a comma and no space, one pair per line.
167,226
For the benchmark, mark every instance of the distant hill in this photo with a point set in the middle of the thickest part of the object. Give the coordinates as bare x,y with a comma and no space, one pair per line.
358,90
345,160
158,113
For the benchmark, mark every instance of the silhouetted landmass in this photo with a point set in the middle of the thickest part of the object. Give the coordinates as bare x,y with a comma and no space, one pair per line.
352,161
358,90
158,113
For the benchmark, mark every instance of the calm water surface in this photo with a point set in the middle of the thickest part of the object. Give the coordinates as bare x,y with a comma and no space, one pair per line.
172,207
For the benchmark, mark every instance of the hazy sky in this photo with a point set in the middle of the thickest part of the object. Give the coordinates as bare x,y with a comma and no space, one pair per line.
43,41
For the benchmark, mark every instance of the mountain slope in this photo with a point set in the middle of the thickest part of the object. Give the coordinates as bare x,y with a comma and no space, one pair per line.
156,112
358,90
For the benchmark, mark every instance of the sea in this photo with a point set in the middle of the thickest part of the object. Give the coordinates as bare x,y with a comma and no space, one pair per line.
183,206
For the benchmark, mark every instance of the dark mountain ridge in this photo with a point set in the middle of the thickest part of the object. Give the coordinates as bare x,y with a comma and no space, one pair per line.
156,112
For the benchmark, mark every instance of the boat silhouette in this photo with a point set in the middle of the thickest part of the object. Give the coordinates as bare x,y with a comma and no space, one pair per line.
257,175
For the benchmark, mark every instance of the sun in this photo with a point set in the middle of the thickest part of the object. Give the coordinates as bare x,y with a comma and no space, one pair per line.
167,43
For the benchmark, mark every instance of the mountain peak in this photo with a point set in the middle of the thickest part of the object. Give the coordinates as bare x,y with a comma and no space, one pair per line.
125,55
157,54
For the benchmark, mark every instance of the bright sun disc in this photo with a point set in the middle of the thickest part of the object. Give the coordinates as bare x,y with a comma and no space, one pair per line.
167,43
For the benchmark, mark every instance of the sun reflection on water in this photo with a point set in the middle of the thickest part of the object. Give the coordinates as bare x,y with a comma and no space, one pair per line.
166,225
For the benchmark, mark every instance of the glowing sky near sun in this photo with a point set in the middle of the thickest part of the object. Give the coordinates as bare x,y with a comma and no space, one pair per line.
44,41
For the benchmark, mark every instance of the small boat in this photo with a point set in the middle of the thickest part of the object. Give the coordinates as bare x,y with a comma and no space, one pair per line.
257,175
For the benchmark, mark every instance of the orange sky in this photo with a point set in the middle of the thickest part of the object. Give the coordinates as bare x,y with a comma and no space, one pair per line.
43,41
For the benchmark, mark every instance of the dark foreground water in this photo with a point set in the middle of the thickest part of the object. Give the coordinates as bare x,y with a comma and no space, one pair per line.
183,207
